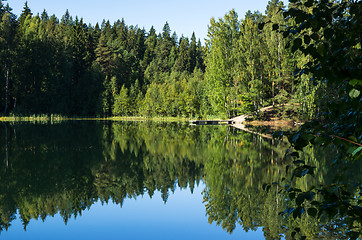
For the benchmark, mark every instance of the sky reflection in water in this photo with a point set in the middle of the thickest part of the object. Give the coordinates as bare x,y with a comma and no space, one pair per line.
182,217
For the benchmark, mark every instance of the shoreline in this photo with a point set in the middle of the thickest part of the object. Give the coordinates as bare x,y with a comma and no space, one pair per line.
60,119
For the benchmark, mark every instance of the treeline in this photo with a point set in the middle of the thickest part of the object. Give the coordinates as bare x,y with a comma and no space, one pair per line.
64,66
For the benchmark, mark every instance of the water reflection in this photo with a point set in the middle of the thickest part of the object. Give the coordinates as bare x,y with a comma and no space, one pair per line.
68,167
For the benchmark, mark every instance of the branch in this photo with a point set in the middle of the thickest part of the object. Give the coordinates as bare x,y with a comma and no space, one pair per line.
334,136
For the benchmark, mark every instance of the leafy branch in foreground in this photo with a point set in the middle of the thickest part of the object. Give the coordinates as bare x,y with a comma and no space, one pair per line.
328,33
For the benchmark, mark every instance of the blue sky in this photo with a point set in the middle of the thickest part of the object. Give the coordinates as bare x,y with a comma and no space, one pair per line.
184,16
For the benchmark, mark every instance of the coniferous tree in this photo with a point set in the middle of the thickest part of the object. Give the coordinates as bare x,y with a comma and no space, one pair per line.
164,48
193,53
25,13
8,28
183,59
150,46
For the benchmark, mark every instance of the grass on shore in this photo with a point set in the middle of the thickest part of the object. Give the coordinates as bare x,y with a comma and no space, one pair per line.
58,118
33,118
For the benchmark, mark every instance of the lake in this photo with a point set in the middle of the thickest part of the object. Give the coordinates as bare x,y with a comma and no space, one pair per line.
154,180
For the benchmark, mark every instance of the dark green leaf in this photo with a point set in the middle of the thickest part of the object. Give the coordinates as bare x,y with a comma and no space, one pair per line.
299,162
319,140
303,170
306,39
285,34
328,33
292,195
296,214
312,212
287,169
265,186
315,36
331,211
275,27
351,149
300,144
300,199
309,3
321,49
308,137
354,82
261,25
294,154
295,137
309,195
297,44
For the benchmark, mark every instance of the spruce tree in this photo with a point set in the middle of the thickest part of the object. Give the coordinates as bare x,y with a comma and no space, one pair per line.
25,13
8,28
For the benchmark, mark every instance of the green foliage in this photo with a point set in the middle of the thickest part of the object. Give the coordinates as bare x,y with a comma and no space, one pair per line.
249,59
70,68
325,33
121,103
221,43
246,62
175,97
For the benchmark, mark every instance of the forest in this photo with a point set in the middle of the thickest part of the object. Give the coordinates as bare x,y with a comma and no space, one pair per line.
68,67
305,59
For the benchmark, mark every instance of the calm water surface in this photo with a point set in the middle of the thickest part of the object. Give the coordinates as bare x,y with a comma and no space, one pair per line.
128,180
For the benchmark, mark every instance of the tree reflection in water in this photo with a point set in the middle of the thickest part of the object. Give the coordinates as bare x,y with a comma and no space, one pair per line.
65,168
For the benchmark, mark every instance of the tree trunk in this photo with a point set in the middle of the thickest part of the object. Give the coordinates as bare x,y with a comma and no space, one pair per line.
6,88
279,68
273,93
